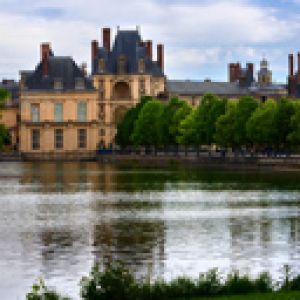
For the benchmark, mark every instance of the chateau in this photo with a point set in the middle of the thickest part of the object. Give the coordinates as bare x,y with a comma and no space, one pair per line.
58,110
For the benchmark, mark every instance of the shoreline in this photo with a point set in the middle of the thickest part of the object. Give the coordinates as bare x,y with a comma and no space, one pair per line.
278,164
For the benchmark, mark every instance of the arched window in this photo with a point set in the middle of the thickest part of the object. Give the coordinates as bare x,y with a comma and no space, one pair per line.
121,91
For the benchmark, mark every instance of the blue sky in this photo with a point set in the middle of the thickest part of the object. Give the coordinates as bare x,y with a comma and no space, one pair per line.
200,37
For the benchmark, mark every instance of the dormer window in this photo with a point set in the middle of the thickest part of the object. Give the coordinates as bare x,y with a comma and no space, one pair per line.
141,65
79,84
122,64
101,65
58,84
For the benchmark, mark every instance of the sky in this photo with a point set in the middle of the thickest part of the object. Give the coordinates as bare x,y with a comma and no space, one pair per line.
200,37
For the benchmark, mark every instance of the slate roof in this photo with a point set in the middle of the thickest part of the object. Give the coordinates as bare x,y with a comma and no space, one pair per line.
187,87
127,43
60,67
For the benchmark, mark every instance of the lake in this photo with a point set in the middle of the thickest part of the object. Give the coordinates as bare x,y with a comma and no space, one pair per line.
57,219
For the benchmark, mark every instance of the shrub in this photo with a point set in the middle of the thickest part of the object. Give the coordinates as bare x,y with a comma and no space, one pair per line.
209,283
41,292
115,282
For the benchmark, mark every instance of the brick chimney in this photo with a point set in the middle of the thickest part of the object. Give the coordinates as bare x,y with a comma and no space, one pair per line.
250,71
160,56
149,49
291,65
45,54
234,72
106,38
94,51
298,71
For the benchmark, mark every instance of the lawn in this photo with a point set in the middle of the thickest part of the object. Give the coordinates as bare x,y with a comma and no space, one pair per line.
272,296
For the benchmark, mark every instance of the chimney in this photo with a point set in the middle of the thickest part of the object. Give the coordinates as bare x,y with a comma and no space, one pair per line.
149,49
250,69
45,53
83,68
291,65
94,51
160,56
106,38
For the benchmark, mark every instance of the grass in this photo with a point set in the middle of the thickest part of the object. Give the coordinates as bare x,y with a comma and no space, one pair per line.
269,296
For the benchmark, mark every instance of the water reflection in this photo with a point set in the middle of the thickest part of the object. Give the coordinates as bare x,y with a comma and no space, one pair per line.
56,219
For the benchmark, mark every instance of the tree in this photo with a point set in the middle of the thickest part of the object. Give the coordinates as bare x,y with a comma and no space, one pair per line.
244,109
206,115
126,126
225,127
294,135
282,121
260,127
4,134
187,129
146,128
168,123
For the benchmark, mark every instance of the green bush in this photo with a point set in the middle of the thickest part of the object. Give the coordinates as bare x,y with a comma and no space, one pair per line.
115,282
41,292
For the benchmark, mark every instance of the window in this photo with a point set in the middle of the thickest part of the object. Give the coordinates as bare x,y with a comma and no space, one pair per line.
35,112
82,138
59,138
35,139
58,112
141,65
101,65
81,111
102,132
58,84
79,84
142,86
121,64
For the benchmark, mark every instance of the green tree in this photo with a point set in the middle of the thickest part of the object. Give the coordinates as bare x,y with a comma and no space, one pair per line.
168,122
4,134
294,135
187,129
260,127
206,115
147,126
225,126
244,109
126,126
282,121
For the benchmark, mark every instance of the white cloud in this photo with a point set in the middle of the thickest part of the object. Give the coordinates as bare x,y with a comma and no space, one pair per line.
195,36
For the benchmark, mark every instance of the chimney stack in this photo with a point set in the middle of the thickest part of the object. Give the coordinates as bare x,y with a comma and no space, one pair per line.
291,65
94,51
160,56
45,53
149,49
106,38
250,69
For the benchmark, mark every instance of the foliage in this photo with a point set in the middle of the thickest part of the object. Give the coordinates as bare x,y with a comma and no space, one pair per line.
114,283
261,125
147,126
209,110
41,292
170,120
244,109
294,135
4,94
225,127
126,126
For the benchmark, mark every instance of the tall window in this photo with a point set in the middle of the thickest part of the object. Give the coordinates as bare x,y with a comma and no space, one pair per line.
81,111
35,139
58,112
82,138
35,112
59,138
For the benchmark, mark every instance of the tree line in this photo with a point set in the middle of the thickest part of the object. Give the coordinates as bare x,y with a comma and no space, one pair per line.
245,122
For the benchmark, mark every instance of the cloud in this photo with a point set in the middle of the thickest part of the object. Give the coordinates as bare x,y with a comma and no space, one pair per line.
196,34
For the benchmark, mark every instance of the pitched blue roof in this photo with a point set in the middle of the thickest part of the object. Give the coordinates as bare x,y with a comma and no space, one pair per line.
128,44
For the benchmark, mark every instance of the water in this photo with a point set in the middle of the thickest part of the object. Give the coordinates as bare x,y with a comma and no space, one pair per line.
57,219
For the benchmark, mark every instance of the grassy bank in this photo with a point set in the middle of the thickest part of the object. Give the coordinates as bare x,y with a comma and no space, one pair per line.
114,282
270,296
